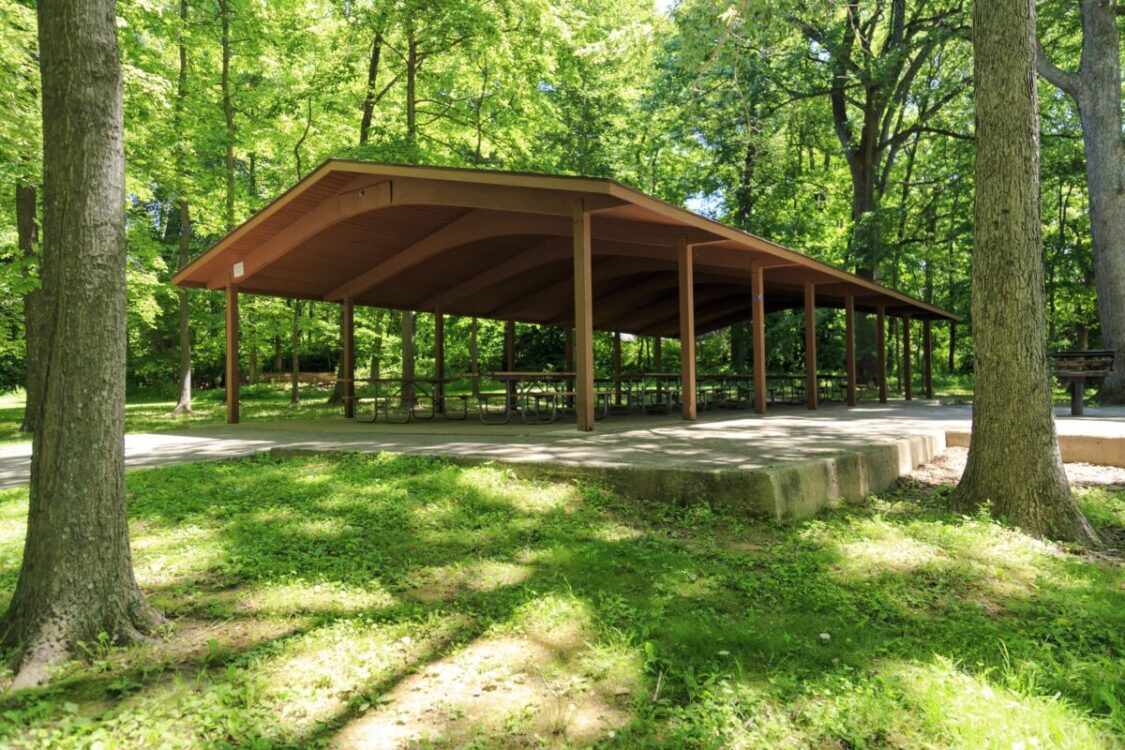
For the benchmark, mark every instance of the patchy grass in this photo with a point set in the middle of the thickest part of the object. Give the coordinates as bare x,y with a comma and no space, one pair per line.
390,602
154,413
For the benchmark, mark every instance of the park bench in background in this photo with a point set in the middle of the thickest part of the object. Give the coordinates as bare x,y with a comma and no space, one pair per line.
1077,368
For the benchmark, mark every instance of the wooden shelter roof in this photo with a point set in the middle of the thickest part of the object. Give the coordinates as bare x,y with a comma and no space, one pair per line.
498,245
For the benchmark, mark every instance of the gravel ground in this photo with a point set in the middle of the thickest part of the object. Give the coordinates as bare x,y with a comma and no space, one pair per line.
947,467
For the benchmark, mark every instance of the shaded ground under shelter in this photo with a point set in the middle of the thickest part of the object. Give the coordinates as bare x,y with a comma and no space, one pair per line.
582,253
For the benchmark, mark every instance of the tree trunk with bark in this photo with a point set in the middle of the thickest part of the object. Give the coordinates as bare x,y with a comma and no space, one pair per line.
228,113
336,397
406,333
183,404
371,98
474,357
1014,466
295,345
27,233
1096,90
77,579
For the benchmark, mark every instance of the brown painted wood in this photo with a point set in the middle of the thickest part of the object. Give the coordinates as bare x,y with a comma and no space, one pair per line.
550,251
347,333
684,253
758,335
339,208
881,351
475,225
231,379
849,346
315,252
927,358
907,360
583,318
811,387
439,358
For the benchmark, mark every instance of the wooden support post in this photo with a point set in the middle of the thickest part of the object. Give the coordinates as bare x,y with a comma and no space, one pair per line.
684,254
510,357
907,360
927,358
758,331
439,361
583,318
347,333
231,379
617,368
811,386
881,350
849,336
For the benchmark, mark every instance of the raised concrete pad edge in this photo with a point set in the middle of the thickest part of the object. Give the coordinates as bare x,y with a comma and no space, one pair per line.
785,491
1086,449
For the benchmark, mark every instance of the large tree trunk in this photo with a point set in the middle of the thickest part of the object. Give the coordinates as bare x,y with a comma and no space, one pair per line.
1096,89
27,231
1014,466
183,404
77,579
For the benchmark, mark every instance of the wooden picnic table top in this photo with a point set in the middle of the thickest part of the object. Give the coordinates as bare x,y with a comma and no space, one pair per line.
399,380
528,375
1080,353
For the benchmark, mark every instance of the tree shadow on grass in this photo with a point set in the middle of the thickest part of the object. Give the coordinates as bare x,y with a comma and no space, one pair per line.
381,592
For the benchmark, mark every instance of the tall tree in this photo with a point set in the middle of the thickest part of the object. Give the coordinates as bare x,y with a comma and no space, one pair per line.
871,56
1096,90
183,403
27,232
76,580
1014,462
228,112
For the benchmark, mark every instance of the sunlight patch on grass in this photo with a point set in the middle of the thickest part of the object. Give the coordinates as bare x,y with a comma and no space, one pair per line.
515,691
284,599
168,555
889,552
1102,506
524,496
322,675
441,583
970,711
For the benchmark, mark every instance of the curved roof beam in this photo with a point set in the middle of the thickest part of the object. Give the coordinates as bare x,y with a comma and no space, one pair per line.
475,225
340,207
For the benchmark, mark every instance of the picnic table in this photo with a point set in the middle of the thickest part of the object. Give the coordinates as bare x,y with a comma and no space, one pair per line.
654,391
538,396
403,399
1076,368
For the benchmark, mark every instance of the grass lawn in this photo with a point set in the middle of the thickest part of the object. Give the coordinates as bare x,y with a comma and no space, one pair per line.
154,413
391,602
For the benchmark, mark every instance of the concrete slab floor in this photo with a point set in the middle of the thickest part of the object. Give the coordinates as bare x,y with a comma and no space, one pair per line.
719,440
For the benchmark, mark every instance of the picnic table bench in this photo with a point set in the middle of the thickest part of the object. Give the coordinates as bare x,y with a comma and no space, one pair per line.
1076,368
